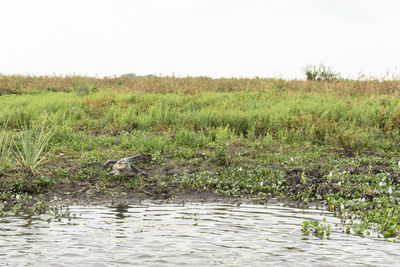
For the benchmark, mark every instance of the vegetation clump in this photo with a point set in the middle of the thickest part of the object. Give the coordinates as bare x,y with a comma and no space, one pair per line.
320,73
29,149
319,229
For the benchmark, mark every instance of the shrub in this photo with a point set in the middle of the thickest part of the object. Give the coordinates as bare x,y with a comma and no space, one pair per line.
320,73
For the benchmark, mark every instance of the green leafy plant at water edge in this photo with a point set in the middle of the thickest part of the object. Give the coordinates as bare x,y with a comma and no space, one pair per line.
319,229
28,151
29,205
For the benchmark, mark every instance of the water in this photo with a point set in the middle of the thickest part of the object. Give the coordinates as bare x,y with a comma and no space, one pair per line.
190,234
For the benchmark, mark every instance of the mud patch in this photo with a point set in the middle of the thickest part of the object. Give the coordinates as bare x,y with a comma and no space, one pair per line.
106,133
302,179
325,188
116,194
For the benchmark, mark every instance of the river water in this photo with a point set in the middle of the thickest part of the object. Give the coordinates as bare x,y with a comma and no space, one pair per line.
185,235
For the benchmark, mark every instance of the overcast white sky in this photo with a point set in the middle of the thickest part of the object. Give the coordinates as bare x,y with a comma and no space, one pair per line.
228,38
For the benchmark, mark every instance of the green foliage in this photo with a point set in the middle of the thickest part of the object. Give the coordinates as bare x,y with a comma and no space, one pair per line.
42,182
221,156
189,138
84,88
320,73
223,135
319,229
141,142
25,204
5,148
238,180
359,124
268,140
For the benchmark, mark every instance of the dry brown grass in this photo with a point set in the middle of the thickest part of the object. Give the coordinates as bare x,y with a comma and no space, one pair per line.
17,84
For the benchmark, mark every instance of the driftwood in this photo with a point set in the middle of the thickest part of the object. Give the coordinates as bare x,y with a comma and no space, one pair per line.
126,166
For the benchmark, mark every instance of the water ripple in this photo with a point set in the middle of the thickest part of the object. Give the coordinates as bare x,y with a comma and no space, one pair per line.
185,235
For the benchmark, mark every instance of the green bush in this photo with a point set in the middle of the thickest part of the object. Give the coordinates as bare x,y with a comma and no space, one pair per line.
320,73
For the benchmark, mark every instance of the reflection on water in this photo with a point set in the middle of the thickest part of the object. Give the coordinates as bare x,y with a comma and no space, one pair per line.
190,234
120,211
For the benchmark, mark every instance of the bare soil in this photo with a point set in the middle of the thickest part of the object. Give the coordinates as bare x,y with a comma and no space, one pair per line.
85,193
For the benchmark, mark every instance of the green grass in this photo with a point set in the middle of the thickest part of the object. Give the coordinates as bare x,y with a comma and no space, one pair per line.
5,149
357,124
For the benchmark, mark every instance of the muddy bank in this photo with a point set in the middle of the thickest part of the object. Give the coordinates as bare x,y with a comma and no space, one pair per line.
203,181
84,193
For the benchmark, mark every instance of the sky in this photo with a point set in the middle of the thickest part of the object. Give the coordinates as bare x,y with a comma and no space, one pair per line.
216,38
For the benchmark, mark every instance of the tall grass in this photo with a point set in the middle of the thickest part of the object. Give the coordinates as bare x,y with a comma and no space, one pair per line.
17,84
84,89
319,113
5,148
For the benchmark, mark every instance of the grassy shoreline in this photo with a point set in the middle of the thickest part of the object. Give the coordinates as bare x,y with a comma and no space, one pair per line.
333,142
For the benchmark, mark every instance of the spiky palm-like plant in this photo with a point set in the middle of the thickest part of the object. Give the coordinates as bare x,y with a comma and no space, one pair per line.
32,142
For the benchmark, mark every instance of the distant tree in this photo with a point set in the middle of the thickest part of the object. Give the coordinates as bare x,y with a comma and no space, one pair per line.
133,75
129,75
320,73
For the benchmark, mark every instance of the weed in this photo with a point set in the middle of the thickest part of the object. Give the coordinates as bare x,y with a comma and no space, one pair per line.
221,156
42,182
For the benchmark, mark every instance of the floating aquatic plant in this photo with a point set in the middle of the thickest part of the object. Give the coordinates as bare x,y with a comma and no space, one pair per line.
317,228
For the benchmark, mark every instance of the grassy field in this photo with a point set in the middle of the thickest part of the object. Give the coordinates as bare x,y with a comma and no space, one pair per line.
335,142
